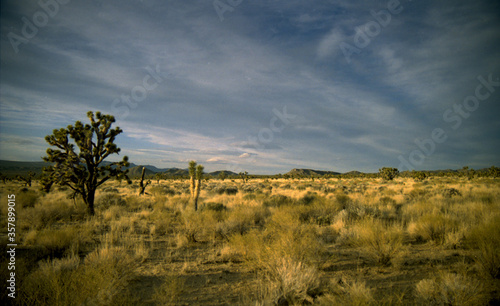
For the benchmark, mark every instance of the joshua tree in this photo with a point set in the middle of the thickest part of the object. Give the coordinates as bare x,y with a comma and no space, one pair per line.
3,178
418,175
493,172
222,175
244,176
158,177
27,179
388,173
468,172
81,170
199,176
142,187
192,173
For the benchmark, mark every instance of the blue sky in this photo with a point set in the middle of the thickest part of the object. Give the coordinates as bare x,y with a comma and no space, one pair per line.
258,86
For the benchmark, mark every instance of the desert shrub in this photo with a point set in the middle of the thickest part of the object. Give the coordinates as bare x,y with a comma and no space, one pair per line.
27,198
160,227
381,243
196,226
347,290
241,219
385,200
278,200
327,189
249,197
110,190
291,282
223,189
162,191
51,283
328,234
140,226
284,237
451,289
416,194
487,199
107,200
49,210
450,192
310,197
342,200
213,206
58,241
248,188
169,291
485,238
357,211
320,214
113,213
136,203
433,227
99,280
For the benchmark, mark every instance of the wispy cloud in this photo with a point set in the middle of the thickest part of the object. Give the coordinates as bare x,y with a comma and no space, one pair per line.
221,81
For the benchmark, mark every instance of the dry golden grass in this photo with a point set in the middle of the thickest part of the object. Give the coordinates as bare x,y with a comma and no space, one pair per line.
265,242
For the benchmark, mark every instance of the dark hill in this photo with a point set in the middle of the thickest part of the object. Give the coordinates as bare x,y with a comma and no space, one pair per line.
13,168
136,171
175,172
216,173
309,172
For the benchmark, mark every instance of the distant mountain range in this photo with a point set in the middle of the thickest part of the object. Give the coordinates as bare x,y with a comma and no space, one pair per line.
311,172
13,168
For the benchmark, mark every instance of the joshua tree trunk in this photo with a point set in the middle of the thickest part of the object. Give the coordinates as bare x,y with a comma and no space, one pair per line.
199,176
142,186
89,201
192,173
197,194
192,186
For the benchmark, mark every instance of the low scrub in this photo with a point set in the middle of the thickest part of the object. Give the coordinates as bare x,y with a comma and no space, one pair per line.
485,239
278,200
169,291
27,198
59,240
291,282
381,243
108,199
99,280
451,289
223,189
49,210
433,227
346,290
